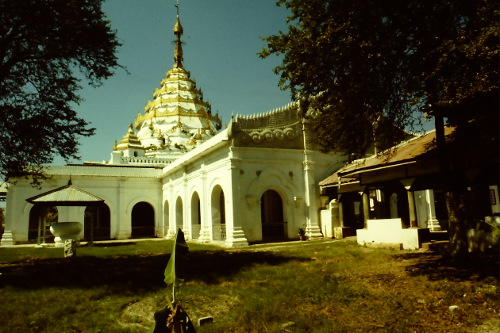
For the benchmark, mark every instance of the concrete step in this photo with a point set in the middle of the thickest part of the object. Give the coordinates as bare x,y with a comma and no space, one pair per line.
438,246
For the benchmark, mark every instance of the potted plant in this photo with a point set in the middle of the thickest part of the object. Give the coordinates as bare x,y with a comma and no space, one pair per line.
302,234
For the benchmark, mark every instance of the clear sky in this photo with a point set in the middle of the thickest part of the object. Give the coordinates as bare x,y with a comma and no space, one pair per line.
221,42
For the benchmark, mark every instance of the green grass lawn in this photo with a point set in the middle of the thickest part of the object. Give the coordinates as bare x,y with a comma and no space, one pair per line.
313,286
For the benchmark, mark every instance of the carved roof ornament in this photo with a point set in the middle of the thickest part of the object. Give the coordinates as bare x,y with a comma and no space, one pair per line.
278,127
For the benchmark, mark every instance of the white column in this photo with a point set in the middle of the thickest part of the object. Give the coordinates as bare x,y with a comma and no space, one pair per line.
312,227
7,237
235,236
186,212
122,219
311,194
172,211
432,221
205,211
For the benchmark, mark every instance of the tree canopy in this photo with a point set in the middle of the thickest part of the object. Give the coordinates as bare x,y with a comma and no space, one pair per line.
369,68
46,49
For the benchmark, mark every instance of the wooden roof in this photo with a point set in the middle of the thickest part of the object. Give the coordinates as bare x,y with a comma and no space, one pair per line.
406,153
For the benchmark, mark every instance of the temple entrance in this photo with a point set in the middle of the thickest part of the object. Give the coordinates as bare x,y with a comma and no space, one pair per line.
271,212
99,215
143,221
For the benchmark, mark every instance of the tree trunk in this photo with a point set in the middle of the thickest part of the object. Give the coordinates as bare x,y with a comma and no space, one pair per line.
457,222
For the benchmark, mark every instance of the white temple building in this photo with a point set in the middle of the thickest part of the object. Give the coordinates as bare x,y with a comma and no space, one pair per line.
260,179
256,180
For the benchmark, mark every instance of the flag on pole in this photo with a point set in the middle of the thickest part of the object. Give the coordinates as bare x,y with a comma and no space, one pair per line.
174,272
173,318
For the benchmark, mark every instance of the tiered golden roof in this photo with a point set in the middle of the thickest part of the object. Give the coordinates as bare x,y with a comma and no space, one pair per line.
130,140
178,95
177,119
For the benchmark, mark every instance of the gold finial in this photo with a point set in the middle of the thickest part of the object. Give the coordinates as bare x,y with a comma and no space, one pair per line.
178,31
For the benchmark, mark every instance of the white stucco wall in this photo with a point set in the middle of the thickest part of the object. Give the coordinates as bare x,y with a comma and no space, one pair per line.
121,189
242,173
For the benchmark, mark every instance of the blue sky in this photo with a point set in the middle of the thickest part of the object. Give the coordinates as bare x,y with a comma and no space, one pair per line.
221,42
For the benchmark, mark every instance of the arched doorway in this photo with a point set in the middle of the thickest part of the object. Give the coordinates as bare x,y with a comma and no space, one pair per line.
271,212
99,215
195,216
218,210
143,220
179,214
37,213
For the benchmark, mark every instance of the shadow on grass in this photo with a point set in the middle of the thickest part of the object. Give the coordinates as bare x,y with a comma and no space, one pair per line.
112,244
129,273
436,266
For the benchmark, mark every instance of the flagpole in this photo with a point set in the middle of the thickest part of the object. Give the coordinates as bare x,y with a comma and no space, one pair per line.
172,257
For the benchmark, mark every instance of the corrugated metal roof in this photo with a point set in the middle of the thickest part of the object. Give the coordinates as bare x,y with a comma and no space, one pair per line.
406,152
104,171
67,195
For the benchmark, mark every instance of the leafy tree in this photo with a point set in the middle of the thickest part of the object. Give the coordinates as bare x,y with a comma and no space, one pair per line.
370,68
357,62
46,48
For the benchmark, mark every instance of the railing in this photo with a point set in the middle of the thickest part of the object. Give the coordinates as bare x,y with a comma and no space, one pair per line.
196,231
219,232
161,231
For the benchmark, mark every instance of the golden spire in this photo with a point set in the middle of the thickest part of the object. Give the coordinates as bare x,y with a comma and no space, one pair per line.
178,43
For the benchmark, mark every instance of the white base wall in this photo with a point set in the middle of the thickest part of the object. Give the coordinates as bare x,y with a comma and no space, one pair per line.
391,232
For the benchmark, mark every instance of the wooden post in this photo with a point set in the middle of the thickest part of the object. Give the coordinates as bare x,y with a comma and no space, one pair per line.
366,208
411,208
